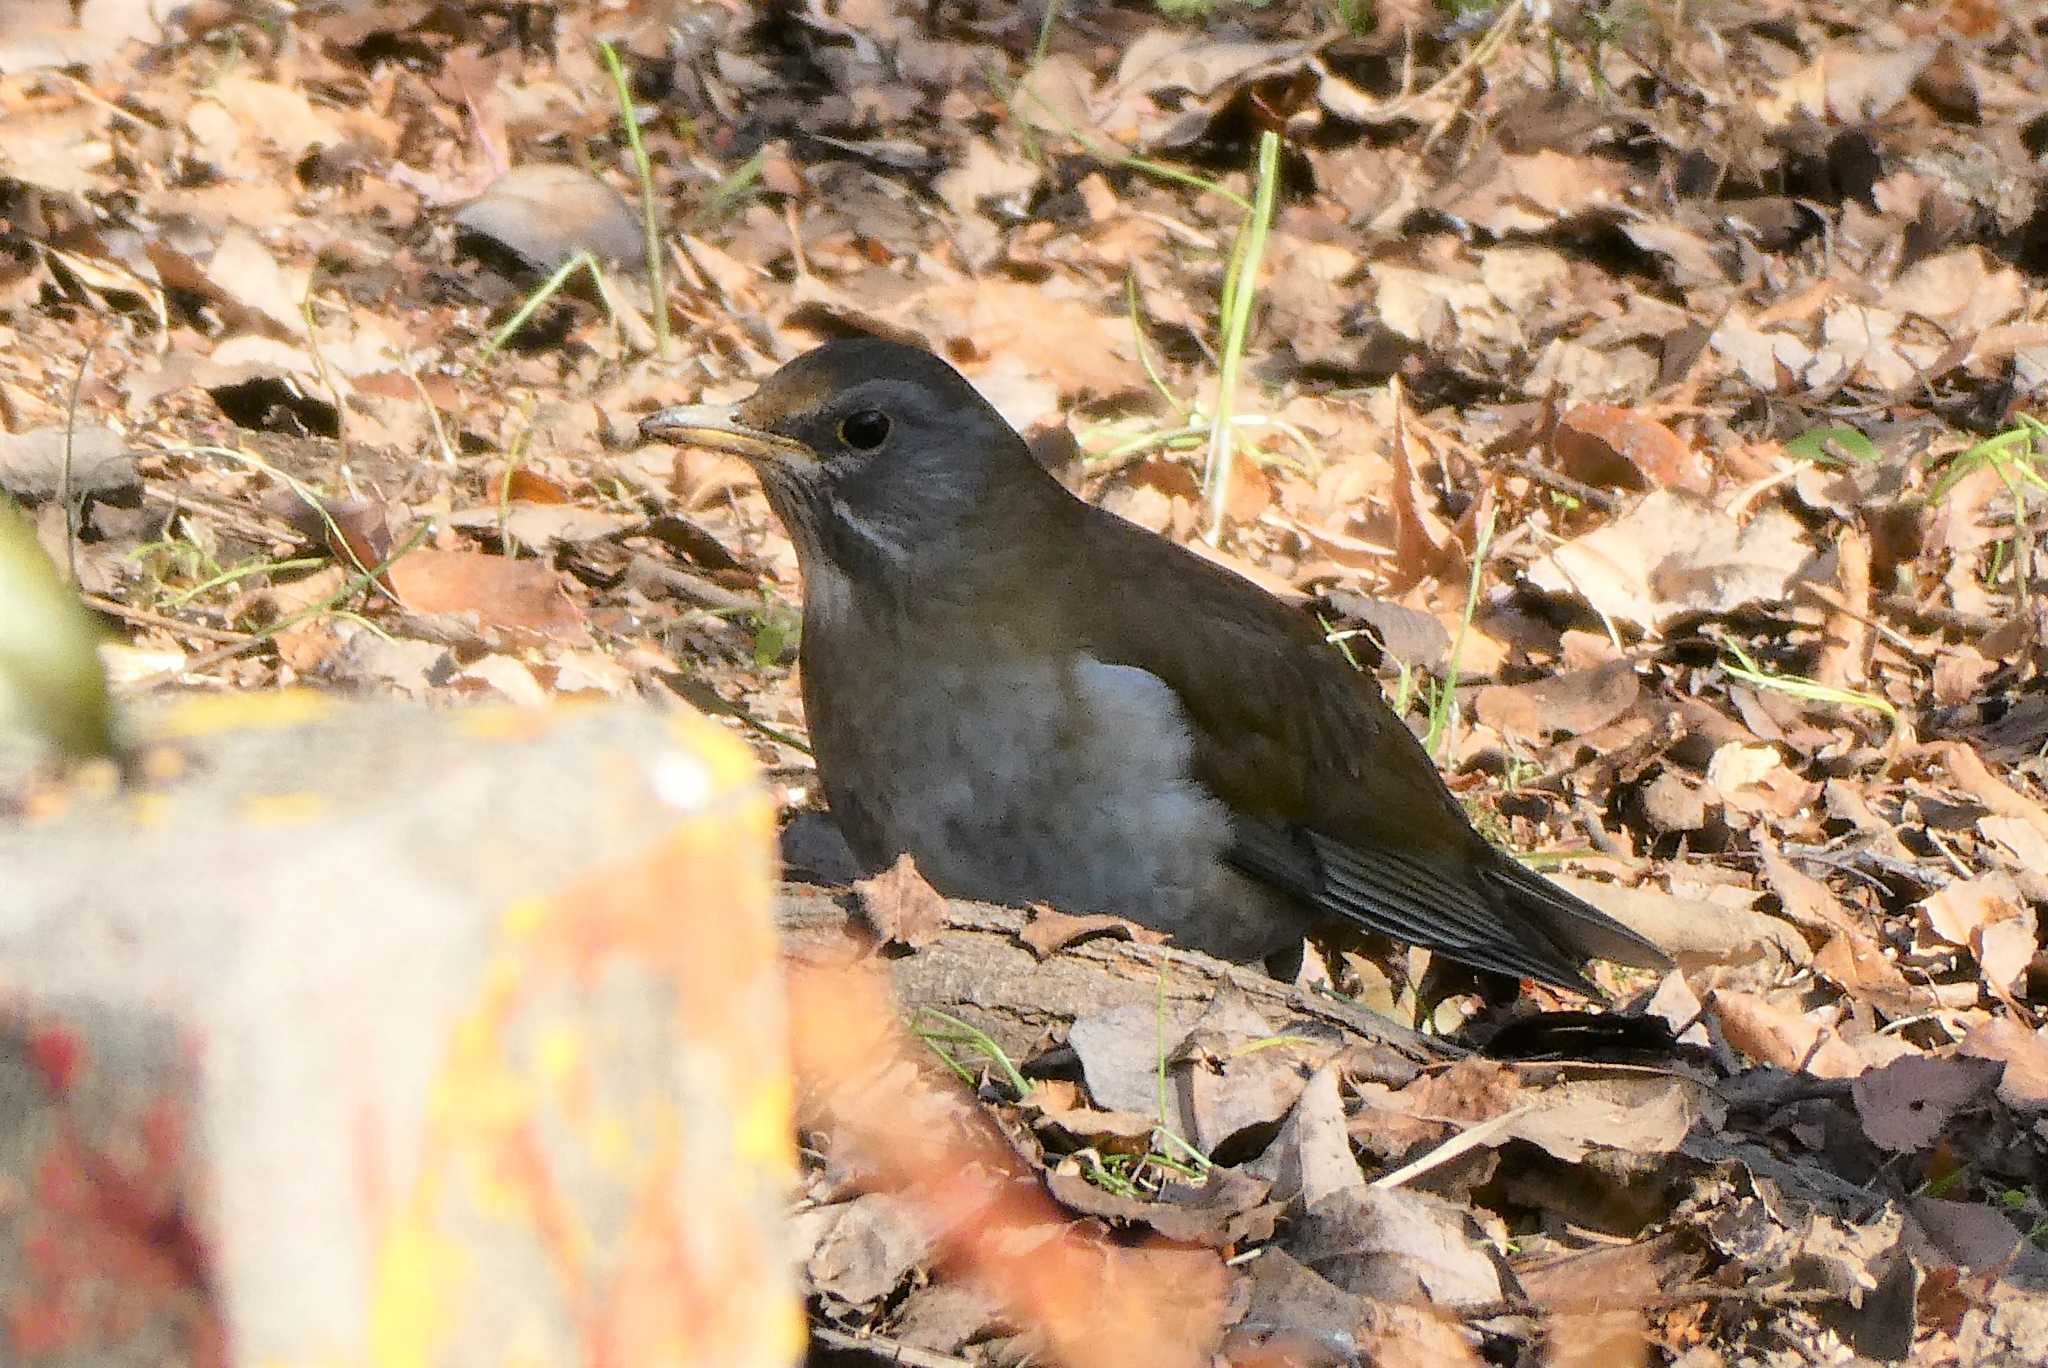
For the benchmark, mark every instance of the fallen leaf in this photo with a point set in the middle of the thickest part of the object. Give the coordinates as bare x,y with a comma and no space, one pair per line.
1770,1034
1560,705
900,905
523,595
1907,1104
1050,930
1674,556
1606,444
545,213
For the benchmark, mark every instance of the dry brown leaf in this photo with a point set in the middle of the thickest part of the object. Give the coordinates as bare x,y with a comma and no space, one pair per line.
861,1250
1989,917
1854,960
987,173
546,213
1528,193
59,150
1674,556
1394,1245
1907,1104
523,595
512,679
1605,444
1228,1209
1975,1236
1095,1308
1803,899
1771,1034
2024,1085
1967,768
1396,1336
1629,1113
1628,1275
899,904
1422,544
1565,704
1050,931
1845,660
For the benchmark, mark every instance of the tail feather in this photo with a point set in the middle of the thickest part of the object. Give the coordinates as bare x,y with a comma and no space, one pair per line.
1413,900
1569,921
1483,909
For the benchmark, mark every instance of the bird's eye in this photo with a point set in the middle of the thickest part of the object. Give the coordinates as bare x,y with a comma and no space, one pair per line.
865,430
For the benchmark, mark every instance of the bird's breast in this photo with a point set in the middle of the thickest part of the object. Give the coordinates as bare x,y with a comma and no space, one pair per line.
1065,780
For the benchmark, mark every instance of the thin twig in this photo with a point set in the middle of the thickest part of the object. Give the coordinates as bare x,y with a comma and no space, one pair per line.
886,1349
142,617
71,515
1565,484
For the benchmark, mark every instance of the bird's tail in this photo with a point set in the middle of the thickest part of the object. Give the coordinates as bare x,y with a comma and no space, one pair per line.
1568,921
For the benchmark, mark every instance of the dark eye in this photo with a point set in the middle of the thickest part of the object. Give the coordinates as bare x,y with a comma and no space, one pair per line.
865,430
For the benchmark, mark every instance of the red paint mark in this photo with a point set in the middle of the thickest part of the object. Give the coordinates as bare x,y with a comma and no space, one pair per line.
58,1055
107,1249
163,1137
41,1325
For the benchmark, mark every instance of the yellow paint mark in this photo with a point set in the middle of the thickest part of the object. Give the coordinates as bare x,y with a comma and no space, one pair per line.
611,1142
211,714
524,917
764,1126
149,809
419,1284
558,1053
792,1336
498,723
282,809
476,1093
731,764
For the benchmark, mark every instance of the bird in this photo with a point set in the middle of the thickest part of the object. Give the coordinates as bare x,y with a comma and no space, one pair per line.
1041,702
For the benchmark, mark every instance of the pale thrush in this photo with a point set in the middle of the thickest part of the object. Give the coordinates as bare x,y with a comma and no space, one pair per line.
1042,702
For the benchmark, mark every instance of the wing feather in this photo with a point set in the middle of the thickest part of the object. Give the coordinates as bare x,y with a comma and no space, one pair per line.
1334,800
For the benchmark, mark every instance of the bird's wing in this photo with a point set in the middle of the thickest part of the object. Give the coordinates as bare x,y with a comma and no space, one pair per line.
1335,800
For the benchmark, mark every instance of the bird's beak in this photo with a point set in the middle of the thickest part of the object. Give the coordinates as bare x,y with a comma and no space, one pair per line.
718,428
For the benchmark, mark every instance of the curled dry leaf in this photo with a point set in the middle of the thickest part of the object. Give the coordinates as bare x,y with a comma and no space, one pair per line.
1228,1209
1771,1034
1975,1236
1394,1245
544,214
1694,929
1567,704
987,173
862,1250
2024,1084
1311,1157
1098,1307
1609,1275
1606,444
900,905
1990,918
1675,556
1050,931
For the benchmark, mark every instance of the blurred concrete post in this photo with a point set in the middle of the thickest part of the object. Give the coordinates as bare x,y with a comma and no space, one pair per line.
384,1035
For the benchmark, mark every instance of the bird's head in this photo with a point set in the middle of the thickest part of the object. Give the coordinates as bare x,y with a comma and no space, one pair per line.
869,450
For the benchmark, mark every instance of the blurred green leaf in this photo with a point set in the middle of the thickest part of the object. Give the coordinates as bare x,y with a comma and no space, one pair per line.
1831,446
51,681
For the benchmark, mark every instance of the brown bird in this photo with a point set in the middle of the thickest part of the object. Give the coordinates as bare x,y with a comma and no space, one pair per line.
1042,702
